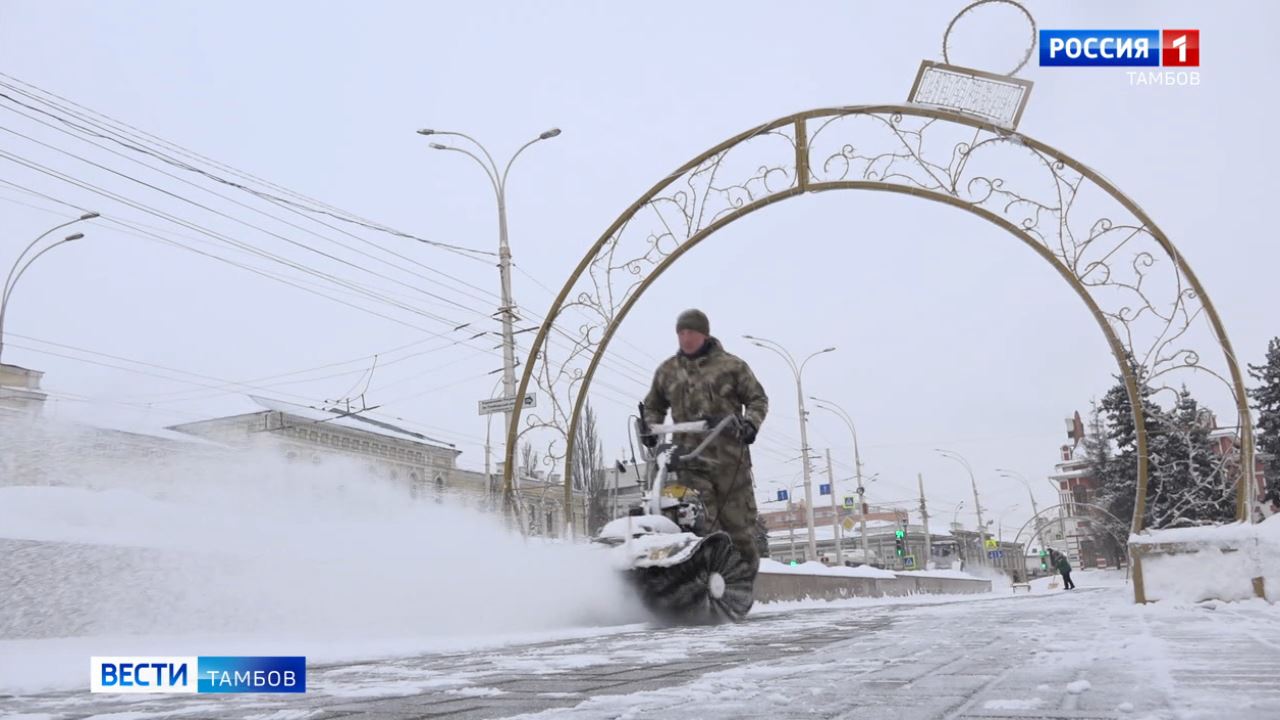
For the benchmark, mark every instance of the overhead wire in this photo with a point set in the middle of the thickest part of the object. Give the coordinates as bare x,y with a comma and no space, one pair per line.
360,291
323,209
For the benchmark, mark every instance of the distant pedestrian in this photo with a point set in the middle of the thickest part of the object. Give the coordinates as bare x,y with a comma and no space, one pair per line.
1064,567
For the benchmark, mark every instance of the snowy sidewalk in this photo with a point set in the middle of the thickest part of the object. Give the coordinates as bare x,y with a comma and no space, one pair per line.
1082,654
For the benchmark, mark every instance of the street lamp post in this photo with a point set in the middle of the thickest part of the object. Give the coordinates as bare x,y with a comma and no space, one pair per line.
498,179
1019,476
1062,523
857,466
977,504
798,370
15,273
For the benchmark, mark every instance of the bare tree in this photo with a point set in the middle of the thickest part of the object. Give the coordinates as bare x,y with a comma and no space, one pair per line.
526,469
588,472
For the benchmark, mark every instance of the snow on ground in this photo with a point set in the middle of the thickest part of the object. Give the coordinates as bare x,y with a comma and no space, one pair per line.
1055,654
204,553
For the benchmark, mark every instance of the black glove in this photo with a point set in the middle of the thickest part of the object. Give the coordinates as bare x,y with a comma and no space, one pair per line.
746,432
647,437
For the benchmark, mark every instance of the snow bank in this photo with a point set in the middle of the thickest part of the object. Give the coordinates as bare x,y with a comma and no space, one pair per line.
864,571
949,574
1213,562
817,568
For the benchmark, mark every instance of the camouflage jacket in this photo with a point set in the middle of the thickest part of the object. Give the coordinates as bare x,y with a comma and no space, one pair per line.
712,384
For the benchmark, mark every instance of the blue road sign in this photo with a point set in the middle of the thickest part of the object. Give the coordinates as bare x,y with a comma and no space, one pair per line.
824,489
783,495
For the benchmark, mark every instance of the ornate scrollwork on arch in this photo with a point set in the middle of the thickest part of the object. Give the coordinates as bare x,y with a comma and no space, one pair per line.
1137,286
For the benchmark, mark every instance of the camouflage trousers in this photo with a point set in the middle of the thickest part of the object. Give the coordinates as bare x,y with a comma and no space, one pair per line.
730,500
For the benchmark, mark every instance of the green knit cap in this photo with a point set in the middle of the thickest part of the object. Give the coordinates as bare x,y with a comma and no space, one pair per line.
695,320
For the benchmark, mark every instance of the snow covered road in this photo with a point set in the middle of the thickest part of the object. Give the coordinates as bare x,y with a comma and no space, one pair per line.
1083,654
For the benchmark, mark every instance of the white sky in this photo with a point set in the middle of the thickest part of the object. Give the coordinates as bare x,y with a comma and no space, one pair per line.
949,333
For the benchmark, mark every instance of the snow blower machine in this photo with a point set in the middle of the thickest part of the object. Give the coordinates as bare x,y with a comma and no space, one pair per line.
685,570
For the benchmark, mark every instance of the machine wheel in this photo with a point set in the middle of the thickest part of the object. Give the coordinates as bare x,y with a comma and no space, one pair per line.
714,585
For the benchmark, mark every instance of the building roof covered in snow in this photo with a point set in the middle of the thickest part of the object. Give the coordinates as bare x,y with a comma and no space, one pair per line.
304,415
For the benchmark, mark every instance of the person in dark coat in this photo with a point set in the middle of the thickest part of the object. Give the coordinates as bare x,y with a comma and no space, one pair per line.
1064,567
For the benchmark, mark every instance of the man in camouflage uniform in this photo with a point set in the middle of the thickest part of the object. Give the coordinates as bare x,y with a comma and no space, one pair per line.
699,382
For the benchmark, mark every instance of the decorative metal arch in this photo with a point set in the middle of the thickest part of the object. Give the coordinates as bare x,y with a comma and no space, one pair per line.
1146,300
1089,505
1040,527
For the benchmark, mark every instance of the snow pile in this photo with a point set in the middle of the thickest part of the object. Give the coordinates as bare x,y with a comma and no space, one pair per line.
866,571
1212,562
817,568
948,574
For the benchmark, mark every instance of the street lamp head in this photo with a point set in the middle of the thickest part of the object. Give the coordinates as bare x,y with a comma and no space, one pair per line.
426,131
830,349
76,236
89,215
438,146
549,134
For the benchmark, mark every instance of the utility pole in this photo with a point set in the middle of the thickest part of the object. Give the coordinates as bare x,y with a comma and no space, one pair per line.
1035,511
924,517
982,529
498,178
835,514
862,500
857,468
797,369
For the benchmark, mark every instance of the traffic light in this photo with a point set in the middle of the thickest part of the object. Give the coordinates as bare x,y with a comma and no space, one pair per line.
900,542
1044,559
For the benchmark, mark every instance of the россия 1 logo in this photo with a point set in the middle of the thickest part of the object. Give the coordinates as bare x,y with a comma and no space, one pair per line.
1126,48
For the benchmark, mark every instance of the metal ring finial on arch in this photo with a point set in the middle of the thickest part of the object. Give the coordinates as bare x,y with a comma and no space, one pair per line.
946,55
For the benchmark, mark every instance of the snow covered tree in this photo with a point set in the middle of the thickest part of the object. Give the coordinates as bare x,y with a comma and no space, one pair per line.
1266,398
1117,478
1189,484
